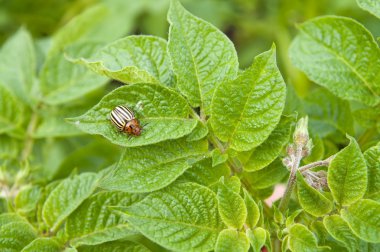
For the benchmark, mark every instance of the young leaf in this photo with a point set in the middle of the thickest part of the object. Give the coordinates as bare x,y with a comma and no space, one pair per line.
201,55
246,110
347,174
15,233
95,223
199,132
149,168
267,152
218,157
257,238
66,197
372,158
311,200
43,245
27,199
340,230
253,211
18,65
11,111
204,173
372,6
363,217
164,114
302,239
231,207
183,217
117,246
341,55
232,240
134,59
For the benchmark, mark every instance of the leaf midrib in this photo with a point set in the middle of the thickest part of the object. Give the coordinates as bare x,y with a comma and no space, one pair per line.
248,96
191,54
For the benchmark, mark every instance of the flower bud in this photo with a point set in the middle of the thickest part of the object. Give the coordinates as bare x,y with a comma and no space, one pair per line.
306,150
290,150
301,134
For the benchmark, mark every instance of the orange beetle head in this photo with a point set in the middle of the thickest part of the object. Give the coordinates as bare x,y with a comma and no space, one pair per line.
133,127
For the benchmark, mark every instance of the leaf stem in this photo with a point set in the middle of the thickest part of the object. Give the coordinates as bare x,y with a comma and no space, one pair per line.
233,162
325,162
291,181
28,143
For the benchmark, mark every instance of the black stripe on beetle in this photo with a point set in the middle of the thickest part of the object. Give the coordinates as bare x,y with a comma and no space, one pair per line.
124,120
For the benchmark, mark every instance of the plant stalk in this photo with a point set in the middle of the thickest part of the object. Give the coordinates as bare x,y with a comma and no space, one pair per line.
28,143
325,162
291,181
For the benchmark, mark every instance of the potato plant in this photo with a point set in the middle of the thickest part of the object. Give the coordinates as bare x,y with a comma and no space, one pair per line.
216,140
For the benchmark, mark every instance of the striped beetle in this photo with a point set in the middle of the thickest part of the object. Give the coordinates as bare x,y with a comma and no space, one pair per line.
125,121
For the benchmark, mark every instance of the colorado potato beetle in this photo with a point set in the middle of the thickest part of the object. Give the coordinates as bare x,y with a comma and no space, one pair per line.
125,121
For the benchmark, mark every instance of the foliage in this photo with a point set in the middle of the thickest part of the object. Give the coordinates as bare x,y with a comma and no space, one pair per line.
215,141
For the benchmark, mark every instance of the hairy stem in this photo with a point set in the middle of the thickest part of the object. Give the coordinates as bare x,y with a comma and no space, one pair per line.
233,162
28,143
291,181
325,162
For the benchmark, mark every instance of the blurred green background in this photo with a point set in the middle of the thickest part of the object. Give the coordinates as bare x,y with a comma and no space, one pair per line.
253,25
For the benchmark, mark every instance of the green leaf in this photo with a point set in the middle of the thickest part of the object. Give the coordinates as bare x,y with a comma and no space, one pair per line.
268,151
267,177
218,157
43,245
372,158
253,211
327,113
78,29
363,217
312,201
53,123
66,197
367,117
18,65
117,246
11,111
201,56
9,148
257,238
231,207
246,110
95,223
164,114
302,239
341,55
204,173
134,59
232,240
199,132
15,233
27,199
340,230
324,238
372,6
182,217
149,168
103,154
347,174
62,81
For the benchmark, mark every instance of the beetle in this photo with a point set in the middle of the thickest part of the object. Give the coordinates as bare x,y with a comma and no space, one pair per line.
125,121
